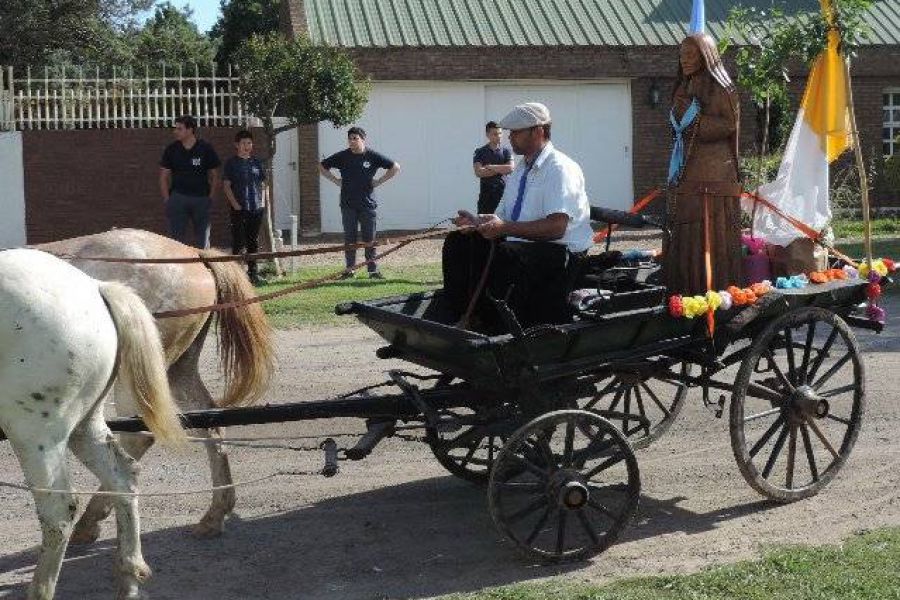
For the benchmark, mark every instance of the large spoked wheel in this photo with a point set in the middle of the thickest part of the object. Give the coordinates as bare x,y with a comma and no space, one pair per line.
564,485
642,401
798,403
468,450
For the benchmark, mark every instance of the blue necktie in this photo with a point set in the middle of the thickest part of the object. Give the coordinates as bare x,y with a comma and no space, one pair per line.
517,207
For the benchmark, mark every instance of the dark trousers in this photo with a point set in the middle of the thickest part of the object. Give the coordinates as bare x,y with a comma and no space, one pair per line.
181,208
488,199
245,234
532,276
359,222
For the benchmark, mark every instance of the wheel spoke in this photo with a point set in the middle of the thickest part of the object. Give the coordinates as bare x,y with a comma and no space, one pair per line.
655,399
758,390
529,466
586,525
599,507
763,414
561,531
841,420
789,351
810,334
599,396
822,355
540,525
834,369
784,380
822,438
766,436
838,391
792,454
640,403
609,462
810,456
530,508
472,448
569,444
517,487
627,411
773,457
490,451
616,398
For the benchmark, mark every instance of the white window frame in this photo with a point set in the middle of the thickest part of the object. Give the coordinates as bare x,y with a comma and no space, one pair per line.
890,120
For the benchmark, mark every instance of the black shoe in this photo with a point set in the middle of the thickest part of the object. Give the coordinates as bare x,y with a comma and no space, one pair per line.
376,275
347,275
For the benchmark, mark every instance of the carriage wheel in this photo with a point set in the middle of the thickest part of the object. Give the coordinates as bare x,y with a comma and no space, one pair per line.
469,451
644,401
798,402
564,485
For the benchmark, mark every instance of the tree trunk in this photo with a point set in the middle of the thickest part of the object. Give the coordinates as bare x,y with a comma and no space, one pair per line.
269,216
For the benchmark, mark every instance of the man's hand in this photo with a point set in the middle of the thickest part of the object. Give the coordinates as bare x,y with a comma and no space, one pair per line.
465,219
491,227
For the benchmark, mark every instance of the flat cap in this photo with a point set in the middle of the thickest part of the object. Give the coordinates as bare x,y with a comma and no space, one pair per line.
524,116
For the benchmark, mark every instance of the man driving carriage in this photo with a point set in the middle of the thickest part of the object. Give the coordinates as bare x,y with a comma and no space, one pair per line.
523,250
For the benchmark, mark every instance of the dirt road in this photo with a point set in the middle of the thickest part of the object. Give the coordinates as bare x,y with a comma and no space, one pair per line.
397,526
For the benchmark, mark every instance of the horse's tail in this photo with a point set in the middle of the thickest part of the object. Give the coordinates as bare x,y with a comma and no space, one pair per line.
142,365
245,337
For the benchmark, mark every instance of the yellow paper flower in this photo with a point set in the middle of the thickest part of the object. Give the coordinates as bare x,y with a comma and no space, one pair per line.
713,300
880,267
864,270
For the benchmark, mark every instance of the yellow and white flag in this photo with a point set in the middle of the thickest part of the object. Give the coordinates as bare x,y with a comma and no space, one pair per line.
820,135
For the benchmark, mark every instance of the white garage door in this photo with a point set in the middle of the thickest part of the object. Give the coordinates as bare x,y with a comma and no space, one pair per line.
431,129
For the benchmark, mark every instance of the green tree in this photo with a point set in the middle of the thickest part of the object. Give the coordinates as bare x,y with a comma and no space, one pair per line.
41,32
767,45
171,36
299,81
241,19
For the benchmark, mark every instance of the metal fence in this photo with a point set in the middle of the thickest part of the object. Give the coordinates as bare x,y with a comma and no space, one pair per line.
72,98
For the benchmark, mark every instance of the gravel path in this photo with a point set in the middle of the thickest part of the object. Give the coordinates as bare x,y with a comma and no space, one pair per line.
397,526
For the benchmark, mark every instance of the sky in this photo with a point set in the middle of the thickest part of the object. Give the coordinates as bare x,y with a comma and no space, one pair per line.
206,12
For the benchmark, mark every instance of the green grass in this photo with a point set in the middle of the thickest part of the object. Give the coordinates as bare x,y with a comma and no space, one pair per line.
853,228
889,248
316,306
862,568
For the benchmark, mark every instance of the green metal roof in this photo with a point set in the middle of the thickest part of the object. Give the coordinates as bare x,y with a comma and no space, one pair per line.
398,23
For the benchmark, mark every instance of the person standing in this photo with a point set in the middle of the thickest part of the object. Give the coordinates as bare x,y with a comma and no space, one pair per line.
244,184
188,177
492,163
357,165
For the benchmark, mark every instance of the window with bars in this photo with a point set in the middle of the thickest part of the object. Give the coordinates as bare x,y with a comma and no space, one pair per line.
890,121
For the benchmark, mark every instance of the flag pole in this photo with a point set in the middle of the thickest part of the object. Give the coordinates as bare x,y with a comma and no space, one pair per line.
860,165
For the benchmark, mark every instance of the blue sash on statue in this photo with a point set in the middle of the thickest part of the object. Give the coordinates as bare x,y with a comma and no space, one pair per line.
676,163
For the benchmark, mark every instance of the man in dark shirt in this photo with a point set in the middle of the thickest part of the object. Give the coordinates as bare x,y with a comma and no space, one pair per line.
491,163
187,179
358,165
244,183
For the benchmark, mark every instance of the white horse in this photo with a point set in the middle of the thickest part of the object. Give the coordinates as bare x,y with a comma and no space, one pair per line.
65,337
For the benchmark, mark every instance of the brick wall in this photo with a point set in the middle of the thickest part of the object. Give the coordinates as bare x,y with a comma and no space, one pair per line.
874,69
88,181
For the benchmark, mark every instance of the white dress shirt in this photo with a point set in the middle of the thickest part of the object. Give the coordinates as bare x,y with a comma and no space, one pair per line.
554,184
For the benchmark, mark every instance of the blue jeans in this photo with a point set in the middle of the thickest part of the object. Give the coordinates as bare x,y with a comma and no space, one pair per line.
181,208
356,221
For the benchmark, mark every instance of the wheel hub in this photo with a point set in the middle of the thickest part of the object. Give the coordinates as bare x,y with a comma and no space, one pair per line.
806,403
570,490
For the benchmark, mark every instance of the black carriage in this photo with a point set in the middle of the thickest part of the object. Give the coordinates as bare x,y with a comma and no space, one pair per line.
549,418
